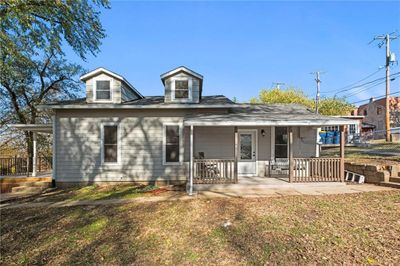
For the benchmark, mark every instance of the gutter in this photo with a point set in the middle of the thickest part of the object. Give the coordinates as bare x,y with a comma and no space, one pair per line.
150,106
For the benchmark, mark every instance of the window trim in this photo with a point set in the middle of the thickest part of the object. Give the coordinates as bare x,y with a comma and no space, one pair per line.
164,142
379,110
190,88
273,133
118,143
95,89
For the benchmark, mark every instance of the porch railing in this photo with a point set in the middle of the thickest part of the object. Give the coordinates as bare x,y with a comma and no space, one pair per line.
10,166
316,170
214,171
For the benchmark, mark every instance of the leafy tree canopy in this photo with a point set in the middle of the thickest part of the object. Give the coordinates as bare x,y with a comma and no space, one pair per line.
327,106
32,64
33,26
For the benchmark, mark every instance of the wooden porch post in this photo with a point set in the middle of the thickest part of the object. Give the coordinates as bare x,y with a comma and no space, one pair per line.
342,140
191,168
34,159
290,154
236,155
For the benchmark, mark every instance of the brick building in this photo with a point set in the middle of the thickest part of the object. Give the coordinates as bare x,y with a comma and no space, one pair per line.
374,114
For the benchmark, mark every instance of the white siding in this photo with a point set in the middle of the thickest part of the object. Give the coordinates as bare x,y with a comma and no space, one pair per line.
78,145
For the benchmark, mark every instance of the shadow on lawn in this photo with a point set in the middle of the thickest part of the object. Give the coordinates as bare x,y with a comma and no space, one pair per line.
274,230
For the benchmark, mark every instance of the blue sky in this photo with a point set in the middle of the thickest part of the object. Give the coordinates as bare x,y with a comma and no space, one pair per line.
242,47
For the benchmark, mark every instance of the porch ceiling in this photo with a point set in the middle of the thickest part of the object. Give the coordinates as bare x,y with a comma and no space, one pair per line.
40,128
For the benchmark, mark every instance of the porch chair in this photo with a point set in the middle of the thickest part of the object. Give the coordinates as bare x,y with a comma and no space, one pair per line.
209,168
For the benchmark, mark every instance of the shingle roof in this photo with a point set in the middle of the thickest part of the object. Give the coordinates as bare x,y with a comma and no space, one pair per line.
208,100
266,114
78,101
154,100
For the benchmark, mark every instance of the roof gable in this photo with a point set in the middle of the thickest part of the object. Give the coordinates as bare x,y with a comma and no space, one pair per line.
178,70
101,70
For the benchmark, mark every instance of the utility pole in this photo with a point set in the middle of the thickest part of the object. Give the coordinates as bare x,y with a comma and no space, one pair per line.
318,80
386,40
277,84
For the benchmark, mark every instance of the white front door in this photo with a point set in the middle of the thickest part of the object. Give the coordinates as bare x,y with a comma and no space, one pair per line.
247,161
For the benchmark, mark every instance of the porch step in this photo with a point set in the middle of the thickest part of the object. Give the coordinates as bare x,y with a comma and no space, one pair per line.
390,184
7,183
35,186
24,179
42,184
26,189
394,179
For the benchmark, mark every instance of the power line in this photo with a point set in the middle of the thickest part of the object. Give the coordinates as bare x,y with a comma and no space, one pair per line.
367,83
365,88
360,101
369,87
355,83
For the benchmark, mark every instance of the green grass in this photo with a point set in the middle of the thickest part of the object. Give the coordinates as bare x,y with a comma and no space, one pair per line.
91,230
96,192
356,229
375,150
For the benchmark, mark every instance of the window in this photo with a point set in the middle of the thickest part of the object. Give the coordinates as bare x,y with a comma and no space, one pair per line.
172,140
103,90
281,142
365,112
110,143
246,146
352,129
181,89
379,110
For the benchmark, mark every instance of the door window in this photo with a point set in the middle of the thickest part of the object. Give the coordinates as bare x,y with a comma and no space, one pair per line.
246,147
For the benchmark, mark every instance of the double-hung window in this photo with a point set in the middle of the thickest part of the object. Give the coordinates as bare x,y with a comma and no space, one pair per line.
110,143
102,90
281,142
172,140
181,89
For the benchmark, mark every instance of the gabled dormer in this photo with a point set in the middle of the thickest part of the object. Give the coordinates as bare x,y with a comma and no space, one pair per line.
182,85
104,86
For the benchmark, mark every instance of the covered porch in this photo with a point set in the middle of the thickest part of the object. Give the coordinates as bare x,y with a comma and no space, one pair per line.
259,149
20,166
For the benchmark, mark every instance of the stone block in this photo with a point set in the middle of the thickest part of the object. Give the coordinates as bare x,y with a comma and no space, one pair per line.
383,175
371,168
394,170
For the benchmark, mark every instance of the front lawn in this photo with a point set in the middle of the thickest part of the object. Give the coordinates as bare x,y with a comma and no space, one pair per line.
97,192
337,229
377,150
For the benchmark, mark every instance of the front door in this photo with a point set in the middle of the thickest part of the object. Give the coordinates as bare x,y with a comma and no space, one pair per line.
247,161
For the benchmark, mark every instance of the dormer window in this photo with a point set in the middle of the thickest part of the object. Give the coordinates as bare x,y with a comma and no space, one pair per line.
182,85
102,90
181,89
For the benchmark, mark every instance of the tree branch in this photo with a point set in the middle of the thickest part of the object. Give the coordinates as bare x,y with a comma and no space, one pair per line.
15,104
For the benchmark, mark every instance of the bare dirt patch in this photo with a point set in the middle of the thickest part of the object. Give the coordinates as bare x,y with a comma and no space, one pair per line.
338,229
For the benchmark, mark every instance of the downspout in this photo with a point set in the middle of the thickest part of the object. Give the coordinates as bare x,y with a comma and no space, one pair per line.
54,150
191,163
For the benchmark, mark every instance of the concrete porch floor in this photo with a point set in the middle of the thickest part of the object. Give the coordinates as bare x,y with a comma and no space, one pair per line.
268,186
